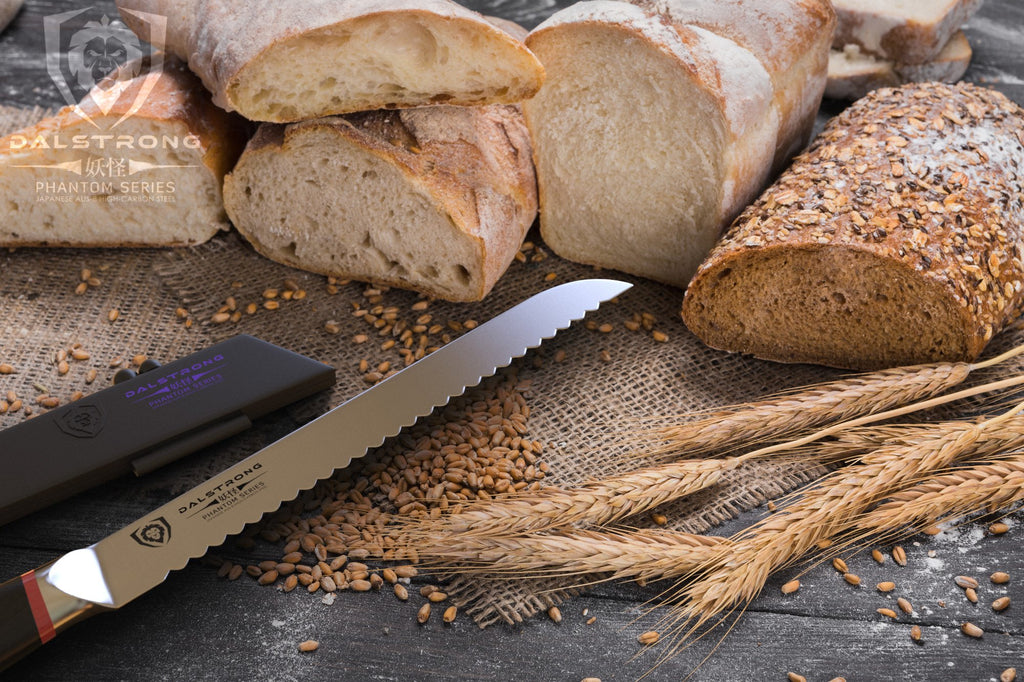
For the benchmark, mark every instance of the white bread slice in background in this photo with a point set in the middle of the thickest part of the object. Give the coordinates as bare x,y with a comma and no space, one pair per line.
852,74
183,127
8,10
650,134
900,31
291,61
436,199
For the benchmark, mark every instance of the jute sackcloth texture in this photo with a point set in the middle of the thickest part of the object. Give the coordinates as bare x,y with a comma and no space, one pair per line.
593,411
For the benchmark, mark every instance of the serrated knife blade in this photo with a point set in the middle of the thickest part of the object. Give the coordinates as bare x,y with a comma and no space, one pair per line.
133,560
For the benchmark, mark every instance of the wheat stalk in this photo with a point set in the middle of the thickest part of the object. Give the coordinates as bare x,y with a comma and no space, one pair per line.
597,503
813,406
644,555
829,507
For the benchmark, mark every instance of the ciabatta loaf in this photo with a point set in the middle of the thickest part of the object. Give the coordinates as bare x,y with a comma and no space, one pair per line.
290,61
147,171
897,239
436,199
900,31
657,125
853,74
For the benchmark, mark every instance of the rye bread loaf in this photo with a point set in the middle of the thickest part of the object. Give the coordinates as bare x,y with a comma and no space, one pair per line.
853,74
900,31
149,176
436,199
656,124
291,61
896,239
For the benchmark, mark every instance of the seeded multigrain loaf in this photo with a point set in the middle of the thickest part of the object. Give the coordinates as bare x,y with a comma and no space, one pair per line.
901,31
659,122
290,61
896,239
145,176
436,199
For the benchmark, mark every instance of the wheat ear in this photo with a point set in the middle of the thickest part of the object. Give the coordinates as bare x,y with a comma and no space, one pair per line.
634,554
829,507
597,503
813,406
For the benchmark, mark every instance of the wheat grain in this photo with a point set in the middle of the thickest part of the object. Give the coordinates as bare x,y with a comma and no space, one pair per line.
831,505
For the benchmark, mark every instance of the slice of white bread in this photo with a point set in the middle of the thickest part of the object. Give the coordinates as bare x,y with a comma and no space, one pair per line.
650,134
8,9
895,240
853,74
152,178
900,31
291,61
436,199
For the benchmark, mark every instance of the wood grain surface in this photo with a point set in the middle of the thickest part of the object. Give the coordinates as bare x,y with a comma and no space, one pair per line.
198,627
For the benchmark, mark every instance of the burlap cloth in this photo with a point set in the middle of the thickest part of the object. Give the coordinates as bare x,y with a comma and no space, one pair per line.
588,411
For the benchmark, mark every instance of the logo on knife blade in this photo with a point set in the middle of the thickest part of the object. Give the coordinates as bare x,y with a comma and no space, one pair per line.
155,533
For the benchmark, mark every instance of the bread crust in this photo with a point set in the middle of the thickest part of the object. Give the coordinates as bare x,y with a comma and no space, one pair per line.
178,102
474,162
220,38
925,178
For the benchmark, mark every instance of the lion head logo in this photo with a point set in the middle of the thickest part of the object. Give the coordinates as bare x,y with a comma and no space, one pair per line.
155,533
101,48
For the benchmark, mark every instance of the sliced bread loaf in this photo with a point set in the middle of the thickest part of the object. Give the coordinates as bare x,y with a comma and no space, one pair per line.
142,170
901,31
290,61
436,199
853,74
897,239
651,133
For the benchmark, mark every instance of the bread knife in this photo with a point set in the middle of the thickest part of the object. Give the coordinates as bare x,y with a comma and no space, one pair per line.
117,569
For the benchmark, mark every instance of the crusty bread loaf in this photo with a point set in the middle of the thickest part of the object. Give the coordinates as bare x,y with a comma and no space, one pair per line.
436,199
896,239
656,125
8,9
901,31
123,177
290,61
853,74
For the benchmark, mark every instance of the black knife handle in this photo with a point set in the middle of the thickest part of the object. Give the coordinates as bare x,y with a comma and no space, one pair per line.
32,612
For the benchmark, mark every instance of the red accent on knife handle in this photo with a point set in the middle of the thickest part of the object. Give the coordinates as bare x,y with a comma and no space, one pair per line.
20,629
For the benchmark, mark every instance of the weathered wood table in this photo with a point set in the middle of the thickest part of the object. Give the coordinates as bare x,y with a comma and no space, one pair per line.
196,626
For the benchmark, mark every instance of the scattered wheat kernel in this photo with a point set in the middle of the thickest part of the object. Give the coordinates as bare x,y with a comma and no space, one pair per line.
428,590
113,315
794,677
878,556
840,565
309,645
236,572
449,614
591,620
791,587
360,585
886,586
972,630
550,277
886,612
999,577
899,555
998,528
965,581
915,633
838,679
932,530
605,328
591,679
437,596
6,368
649,637
559,356
81,288
660,337
423,615
332,327
904,605
852,579
271,304
659,519
80,354
63,367
220,318
1008,675
971,594
605,356
360,338
94,281
1001,604
823,544
555,614
401,592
